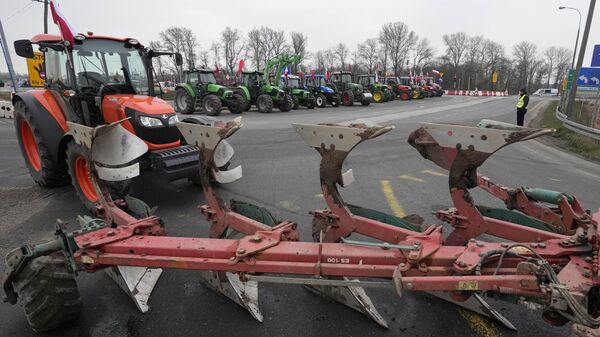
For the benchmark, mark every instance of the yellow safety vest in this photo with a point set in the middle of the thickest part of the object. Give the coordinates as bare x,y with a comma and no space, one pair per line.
521,102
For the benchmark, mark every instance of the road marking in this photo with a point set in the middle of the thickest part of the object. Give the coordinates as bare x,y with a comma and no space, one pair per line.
411,178
479,324
288,205
554,179
386,187
433,173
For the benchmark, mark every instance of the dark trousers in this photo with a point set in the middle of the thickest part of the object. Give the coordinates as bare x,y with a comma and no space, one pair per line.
521,116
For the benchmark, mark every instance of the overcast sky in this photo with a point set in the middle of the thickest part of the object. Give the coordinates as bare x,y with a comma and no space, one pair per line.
324,22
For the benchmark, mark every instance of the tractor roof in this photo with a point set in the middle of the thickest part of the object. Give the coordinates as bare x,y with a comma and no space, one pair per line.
291,76
204,71
53,37
342,72
250,72
367,75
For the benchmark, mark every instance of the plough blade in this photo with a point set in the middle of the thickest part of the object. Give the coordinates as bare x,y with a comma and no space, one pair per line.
245,294
353,297
136,282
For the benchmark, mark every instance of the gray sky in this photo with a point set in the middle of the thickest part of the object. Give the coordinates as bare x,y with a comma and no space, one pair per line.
324,22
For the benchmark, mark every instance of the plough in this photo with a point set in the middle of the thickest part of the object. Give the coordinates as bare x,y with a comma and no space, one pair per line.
544,257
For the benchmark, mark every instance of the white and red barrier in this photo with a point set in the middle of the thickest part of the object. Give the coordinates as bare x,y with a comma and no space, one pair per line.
476,93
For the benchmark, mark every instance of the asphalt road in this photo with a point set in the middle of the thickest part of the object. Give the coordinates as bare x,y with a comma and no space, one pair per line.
280,172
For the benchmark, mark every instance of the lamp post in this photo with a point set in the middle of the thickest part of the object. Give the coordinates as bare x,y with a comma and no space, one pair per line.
578,30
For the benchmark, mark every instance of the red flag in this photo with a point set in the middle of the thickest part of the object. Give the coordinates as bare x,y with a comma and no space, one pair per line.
327,75
66,30
349,67
217,71
312,73
241,66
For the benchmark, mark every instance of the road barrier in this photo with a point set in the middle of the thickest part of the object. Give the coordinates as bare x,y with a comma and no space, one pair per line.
6,109
476,93
576,127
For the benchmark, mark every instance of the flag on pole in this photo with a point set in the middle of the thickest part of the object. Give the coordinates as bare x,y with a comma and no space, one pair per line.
217,71
327,75
376,77
241,66
435,72
66,30
286,71
312,73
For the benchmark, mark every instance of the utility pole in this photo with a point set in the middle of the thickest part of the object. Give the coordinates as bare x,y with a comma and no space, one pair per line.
45,16
6,52
586,33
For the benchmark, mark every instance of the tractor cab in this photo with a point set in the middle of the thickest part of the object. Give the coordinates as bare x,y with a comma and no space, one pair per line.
291,82
366,80
199,77
253,80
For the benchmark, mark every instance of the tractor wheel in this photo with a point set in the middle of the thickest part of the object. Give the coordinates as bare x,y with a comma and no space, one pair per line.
416,95
286,103
212,105
321,101
348,98
48,292
365,102
392,95
236,104
377,97
38,156
78,166
295,102
264,103
184,102
246,104
404,96
335,101
311,102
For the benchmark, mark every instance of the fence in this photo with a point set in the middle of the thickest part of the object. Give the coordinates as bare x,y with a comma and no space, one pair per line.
584,117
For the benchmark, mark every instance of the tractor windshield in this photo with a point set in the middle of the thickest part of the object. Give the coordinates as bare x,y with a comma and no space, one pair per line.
319,81
293,82
109,63
346,78
200,77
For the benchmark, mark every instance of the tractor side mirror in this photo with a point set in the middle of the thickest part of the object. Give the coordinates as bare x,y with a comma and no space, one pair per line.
178,59
24,48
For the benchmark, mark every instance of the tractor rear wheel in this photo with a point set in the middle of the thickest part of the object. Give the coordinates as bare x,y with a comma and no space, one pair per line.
264,103
311,102
348,98
34,148
48,292
405,96
184,102
295,102
321,101
377,97
212,105
236,104
335,101
286,103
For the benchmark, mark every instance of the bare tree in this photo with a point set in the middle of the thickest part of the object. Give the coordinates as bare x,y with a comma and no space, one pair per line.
563,63
274,43
173,39
526,62
215,48
421,54
368,52
203,57
190,43
341,53
232,47
255,46
330,58
397,40
556,59
319,60
299,42
456,46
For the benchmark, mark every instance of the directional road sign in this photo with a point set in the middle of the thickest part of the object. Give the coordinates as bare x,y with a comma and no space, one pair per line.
588,77
596,56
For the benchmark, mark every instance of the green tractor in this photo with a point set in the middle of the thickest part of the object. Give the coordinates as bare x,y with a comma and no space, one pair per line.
417,91
300,96
257,90
381,93
350,92
200,90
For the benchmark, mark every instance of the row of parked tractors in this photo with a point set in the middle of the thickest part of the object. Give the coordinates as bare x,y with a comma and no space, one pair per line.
271,89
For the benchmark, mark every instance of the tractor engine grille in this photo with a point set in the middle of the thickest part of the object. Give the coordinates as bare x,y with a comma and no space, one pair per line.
176,163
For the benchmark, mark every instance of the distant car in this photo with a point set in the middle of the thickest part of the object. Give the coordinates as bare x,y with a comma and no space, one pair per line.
546,92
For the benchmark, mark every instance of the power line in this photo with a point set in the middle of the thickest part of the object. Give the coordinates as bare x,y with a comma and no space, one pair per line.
20,11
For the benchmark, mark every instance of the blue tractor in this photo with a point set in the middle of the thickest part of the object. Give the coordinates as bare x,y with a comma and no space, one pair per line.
323,92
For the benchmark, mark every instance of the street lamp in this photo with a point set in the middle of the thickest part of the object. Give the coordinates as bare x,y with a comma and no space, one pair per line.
578,29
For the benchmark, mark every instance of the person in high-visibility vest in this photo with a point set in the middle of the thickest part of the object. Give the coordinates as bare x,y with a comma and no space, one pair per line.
522,106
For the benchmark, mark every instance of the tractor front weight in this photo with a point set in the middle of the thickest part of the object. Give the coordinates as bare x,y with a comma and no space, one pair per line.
553,268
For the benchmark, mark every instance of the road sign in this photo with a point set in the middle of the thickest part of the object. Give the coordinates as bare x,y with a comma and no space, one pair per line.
596,56
588,77
35,66
569,79
494,76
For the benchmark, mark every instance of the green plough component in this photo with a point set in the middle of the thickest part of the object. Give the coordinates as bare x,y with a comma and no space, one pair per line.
514,217
549,196
384,217
254,212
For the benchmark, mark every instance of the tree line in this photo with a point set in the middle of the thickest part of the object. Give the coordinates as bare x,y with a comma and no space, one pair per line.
467,62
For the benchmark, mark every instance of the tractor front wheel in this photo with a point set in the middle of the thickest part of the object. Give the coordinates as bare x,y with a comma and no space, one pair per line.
236,104
311,102
78,164
184,102
295,102
36,151
48,292
348,98
377,97
335,101
286,103
212,105
405,96
264,103
321,101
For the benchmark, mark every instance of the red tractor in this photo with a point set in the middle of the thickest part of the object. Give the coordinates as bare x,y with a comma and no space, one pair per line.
96,80
404,92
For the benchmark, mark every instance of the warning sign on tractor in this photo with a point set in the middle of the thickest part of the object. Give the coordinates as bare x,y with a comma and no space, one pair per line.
35,66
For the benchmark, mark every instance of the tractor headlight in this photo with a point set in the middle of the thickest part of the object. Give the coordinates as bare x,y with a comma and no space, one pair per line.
151,122
173,120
